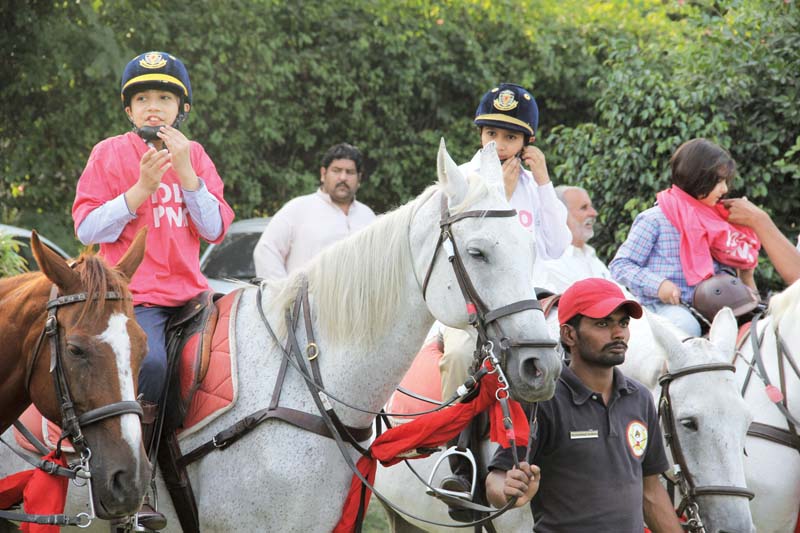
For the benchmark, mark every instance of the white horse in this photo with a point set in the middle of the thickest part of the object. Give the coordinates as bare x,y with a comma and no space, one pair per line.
369,316
711,421
773,469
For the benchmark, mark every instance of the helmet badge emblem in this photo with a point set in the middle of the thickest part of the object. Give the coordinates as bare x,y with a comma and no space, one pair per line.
153,60
505,101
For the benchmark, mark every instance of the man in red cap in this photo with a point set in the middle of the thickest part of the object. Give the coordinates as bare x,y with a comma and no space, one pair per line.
596,458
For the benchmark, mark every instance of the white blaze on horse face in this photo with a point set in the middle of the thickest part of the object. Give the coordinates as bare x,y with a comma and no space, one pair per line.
116,336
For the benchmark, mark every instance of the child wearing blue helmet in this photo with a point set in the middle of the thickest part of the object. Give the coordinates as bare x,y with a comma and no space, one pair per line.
508,115
153,177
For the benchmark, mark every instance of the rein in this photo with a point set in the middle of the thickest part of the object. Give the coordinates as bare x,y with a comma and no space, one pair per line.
480,316
790,438
71,422
685,481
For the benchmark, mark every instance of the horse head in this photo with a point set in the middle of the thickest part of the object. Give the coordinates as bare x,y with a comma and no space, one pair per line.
91,351
706,421
481,271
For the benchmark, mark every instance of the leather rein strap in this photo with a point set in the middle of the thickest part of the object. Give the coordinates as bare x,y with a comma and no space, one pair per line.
686,482
790,437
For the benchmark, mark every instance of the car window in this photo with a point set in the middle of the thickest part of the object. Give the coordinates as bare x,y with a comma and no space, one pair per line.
233,257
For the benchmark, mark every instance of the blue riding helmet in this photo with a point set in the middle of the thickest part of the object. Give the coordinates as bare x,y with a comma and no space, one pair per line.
511,107
157,70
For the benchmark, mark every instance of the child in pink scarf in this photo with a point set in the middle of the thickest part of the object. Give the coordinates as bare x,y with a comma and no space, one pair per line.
686,238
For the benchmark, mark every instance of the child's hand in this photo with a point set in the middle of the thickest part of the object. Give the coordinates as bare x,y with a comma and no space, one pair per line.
510,175
534,158
152,166
179,147
669,293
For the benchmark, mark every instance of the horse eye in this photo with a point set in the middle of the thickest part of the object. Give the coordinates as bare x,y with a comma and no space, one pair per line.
474,252
74,351
689,423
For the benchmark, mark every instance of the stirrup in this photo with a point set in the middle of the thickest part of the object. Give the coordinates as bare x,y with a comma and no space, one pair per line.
436,491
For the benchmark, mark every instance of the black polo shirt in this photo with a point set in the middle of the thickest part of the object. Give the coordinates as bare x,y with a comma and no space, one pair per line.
593,457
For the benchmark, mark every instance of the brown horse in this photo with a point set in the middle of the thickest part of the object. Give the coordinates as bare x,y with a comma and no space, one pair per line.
70,344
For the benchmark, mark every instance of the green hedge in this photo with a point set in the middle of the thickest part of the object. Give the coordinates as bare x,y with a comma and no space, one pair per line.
619,84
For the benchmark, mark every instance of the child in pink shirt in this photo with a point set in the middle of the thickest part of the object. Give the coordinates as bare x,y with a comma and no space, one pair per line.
153,177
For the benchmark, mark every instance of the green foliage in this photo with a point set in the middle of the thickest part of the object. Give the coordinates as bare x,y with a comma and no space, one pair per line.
730,77
276,84
11,263
619,84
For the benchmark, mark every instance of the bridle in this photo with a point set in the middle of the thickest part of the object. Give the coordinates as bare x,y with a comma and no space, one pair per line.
479,314
71,422
685,481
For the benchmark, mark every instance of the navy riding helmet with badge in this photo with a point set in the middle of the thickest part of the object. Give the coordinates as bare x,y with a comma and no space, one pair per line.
510,107
161,71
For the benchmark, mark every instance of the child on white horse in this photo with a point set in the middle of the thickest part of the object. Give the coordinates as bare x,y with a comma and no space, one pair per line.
153,177
686,238
508,116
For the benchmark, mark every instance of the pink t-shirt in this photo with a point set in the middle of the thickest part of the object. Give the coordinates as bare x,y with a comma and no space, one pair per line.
170,271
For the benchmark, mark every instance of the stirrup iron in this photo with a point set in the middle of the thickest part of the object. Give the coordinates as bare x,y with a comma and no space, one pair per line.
435,491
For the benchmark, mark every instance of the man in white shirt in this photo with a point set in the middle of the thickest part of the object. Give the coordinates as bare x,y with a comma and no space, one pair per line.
307,224
579,260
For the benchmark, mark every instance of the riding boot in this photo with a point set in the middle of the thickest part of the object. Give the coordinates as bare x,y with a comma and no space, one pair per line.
147,516
459,481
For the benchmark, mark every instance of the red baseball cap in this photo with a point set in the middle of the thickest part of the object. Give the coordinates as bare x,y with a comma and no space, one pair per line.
595,298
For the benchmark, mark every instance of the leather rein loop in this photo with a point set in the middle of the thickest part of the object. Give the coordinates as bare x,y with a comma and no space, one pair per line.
686,483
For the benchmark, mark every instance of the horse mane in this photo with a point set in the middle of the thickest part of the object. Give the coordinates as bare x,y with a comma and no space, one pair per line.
97,277
374,261
783,302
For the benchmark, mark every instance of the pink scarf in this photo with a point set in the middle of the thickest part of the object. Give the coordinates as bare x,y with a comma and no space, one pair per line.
706,234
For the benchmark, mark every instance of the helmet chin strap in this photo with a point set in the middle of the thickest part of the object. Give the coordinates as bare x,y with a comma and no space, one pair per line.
150,133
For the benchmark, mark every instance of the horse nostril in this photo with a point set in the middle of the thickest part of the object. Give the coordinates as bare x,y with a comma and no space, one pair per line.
120,481
528,369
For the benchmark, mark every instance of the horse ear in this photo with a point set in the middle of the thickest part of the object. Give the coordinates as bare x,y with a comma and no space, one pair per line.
491,168
724,330
53,266
133,257
665,336
450,177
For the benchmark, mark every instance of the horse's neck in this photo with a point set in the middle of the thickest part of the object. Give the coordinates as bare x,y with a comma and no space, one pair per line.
645,360
18,343
768,353
366,377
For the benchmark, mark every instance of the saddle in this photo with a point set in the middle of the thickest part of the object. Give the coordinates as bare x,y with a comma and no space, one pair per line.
201,386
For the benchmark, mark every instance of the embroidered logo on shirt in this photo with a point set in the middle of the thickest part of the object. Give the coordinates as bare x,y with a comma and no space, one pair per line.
637,438
505,101
586,434
152,60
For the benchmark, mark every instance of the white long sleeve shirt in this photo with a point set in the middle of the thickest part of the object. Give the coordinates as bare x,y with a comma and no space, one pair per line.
301,229
539,211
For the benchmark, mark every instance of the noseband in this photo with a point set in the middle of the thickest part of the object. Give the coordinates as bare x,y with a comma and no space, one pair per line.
71,423
479,314
685,481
